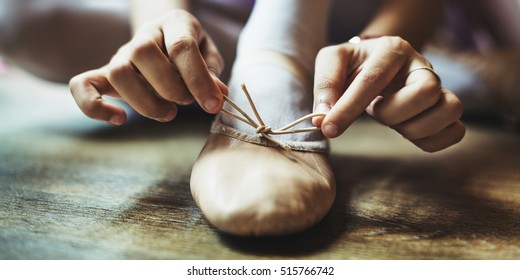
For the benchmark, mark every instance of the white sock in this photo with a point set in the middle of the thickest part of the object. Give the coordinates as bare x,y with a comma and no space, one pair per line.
295,29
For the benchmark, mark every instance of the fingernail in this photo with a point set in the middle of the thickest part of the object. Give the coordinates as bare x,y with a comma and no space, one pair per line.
211,104
322,108
169,116
331,130
116,120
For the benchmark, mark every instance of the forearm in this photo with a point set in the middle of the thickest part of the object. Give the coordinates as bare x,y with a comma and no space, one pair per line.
142,11
410,19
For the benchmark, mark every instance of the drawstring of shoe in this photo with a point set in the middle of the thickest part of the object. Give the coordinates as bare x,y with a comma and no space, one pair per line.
263,129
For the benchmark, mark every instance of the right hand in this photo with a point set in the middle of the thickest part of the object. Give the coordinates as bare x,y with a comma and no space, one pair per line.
374,75
169,61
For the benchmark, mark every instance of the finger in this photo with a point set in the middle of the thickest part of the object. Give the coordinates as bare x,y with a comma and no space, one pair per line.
211,55
182,44
445,138
223,88
448,110
214,62
329,79
421,91
157,69
87,90
137,93
381,67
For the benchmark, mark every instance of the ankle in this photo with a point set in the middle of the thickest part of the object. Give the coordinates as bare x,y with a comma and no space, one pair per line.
277,59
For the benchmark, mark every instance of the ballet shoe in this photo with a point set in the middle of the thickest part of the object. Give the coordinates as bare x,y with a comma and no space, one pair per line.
255,185
248,186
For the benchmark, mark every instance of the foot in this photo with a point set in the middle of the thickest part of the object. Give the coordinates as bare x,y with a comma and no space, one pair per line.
245,188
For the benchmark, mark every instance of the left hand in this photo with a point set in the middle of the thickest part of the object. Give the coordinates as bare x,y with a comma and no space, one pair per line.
375,76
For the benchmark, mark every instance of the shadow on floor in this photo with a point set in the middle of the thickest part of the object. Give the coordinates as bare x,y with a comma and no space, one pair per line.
404,199
409,200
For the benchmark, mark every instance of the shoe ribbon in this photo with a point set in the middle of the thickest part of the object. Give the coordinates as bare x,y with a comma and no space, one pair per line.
264,130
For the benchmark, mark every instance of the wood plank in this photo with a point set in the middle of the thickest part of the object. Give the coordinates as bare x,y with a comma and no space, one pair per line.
71,188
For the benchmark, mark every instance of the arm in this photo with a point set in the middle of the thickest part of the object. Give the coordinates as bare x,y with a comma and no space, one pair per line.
169,61
377,75
409,19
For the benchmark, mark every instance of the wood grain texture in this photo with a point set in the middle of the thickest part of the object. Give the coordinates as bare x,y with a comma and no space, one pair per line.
71,188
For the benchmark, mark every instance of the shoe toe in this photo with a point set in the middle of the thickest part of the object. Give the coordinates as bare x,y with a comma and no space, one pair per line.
248,189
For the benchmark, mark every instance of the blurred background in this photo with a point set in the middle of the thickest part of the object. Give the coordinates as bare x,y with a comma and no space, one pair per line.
475,47
75,188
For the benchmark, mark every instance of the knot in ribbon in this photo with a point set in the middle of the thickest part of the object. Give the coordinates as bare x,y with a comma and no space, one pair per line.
263,129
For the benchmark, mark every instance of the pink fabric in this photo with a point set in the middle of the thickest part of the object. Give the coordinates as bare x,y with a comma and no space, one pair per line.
3,67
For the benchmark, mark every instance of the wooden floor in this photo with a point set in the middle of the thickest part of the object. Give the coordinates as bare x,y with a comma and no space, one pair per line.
71,188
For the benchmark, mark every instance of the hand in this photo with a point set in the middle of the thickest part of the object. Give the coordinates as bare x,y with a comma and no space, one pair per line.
169,61
374,76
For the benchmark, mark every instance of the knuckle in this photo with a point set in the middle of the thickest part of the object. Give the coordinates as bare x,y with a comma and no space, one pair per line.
455,106
220,63
199,85
326,83
398,43
75,82
460,132
429,92
370,76
395,48
329,51
80,81
87,103
183,44
118,71
431,86
216,68
142,49
194,24
90,107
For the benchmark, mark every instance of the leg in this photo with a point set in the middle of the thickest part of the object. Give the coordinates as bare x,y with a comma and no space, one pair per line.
276,53
223,22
